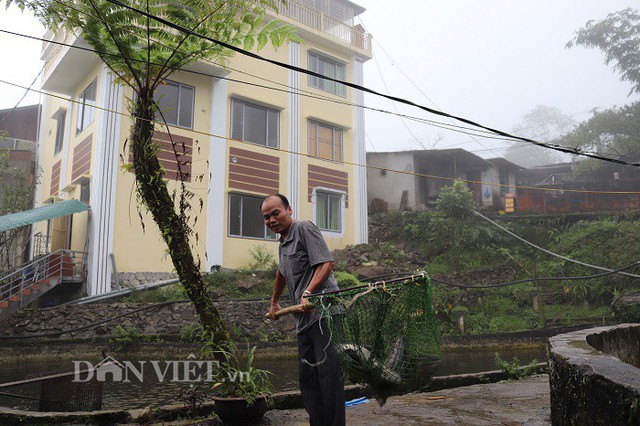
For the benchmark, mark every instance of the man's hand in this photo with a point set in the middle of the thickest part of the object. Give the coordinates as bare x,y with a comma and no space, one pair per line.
304,301
275,306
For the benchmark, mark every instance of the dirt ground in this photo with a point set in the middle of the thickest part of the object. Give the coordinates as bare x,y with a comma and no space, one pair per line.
505,403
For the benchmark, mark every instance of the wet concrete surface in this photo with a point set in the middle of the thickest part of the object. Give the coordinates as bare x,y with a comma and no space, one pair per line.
504,403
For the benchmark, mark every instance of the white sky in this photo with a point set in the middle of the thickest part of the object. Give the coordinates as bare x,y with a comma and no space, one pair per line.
491,61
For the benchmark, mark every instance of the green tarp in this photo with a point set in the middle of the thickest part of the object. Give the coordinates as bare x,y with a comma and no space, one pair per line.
50,211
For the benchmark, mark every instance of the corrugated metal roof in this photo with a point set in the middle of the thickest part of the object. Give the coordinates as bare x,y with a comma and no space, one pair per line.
50,211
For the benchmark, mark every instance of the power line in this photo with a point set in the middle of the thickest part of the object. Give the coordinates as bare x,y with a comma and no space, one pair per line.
386,88
550,252
529,280
349,163
296,91
26,92
561,148
399,68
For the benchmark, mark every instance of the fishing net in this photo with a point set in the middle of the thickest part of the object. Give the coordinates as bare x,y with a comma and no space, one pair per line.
385,334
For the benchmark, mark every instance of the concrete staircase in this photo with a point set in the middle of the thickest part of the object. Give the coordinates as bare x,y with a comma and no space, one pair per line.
25,285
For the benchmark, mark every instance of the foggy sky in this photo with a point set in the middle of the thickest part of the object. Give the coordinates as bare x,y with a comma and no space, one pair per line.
491,61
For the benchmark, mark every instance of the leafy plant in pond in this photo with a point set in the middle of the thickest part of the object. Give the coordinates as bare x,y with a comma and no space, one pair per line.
125,337
513,368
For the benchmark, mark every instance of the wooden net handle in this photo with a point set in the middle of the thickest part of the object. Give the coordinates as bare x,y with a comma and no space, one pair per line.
289,310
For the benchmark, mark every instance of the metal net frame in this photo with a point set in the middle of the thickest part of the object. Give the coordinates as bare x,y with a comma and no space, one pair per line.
385,333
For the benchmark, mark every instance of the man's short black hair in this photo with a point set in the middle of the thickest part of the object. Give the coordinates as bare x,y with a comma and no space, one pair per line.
285,201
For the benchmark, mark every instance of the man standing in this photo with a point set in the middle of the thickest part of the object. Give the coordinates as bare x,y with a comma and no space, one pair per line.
305,267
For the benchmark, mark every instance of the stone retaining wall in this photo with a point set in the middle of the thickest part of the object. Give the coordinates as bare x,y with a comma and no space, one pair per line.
590,387
245,319
132,279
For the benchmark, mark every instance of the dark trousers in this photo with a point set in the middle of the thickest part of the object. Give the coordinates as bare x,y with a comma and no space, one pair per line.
322,385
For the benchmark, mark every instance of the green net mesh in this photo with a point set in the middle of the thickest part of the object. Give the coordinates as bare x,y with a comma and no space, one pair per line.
385,334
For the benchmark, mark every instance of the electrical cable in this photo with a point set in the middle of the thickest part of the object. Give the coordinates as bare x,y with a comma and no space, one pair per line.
386,88
297,91
350,163
561,148
550,252
26,92
522,281
144,308
399,68
528,280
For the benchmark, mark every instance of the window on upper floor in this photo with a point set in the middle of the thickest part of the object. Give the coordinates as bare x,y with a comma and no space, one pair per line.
86,104
60,120
254,123
175,101
324,141
329,211
245,218
85,191
329,68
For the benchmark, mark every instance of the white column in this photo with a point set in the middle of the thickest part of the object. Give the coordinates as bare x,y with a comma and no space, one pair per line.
41,142
216,203
293,175
65,145
359,198
104,167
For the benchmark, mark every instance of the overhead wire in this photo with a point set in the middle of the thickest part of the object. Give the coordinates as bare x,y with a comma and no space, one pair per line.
386,88
557,147
549,251
399,68
529,280
296,91
24,95
349,163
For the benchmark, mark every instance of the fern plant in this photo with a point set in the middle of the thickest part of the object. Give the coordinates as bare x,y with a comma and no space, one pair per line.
142,52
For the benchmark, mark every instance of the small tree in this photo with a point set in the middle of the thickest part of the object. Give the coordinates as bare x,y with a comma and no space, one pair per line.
142,53
456,203
16,194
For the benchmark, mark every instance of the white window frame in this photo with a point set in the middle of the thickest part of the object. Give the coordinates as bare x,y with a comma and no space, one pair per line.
83,108
331,192
178,106
266,124
329,86
229,234
333,140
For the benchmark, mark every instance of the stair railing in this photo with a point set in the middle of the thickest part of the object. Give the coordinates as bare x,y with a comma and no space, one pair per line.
59,264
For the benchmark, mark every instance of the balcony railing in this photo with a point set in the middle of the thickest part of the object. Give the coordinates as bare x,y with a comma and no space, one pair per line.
321,22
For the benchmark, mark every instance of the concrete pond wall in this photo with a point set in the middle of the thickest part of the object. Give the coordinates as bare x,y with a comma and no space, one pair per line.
594,376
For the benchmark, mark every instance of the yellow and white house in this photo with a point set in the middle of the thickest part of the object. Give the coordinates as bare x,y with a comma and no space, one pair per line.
247,142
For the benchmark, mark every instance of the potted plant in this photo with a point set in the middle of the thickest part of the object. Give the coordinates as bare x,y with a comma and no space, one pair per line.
240,395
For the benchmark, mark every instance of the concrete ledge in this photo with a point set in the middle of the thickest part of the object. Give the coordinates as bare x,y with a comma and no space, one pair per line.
589,386
278,401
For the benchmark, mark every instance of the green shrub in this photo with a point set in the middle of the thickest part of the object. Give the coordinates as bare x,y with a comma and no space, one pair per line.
125,337
346,280
262,259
